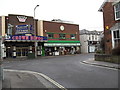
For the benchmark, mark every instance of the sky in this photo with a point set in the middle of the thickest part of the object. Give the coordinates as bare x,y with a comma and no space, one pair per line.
82,12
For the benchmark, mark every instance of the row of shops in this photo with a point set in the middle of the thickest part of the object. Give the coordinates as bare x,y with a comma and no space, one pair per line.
22,36
23,49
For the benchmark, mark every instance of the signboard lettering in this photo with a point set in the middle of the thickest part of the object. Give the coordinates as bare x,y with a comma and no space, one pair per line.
23,29
20,37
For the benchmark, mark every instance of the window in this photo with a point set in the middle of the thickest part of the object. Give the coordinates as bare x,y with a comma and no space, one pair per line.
89,37
10,29
117,11
72,36
62,36
92,37
116,35
50,35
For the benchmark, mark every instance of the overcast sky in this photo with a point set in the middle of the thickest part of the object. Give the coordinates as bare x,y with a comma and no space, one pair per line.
82,12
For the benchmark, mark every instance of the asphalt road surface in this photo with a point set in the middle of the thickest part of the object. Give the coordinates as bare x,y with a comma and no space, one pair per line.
69,71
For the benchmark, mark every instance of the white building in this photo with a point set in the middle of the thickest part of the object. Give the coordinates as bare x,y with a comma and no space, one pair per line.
90,40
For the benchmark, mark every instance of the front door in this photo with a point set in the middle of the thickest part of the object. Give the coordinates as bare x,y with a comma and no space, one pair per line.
22,52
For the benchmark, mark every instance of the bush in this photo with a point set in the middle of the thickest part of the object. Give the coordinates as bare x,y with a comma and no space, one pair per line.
100,52
116,51
107,58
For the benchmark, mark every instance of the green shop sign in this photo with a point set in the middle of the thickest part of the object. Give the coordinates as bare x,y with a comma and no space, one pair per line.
62,43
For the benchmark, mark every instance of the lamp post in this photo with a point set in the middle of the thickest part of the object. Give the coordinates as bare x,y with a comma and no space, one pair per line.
35,32
35,9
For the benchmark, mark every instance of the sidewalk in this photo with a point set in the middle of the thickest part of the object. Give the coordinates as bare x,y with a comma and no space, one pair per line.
101,63
25,80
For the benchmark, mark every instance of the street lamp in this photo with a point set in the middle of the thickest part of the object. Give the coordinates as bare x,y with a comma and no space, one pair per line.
35,9
35,32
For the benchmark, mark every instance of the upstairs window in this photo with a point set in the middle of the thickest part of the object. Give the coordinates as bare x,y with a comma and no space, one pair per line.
62,36
50,35
72,36
117,11
92,38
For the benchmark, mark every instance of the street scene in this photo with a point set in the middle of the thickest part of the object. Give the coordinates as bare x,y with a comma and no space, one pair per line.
60,44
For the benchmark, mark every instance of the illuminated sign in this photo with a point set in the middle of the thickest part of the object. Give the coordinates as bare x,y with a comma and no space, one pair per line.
23,29
21,18
22,37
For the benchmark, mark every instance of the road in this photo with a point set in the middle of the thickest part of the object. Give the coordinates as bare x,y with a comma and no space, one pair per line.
69,71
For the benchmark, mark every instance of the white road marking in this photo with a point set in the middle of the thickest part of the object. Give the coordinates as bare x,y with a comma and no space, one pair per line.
43,75
99,66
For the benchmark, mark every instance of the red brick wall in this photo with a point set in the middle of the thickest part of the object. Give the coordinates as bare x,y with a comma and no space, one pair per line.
0,27
109,20
55,28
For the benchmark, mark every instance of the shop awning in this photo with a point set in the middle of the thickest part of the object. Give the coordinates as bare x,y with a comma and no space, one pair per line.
62,43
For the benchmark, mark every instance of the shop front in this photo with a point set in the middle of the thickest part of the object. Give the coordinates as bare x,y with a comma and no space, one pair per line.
22,46
53,48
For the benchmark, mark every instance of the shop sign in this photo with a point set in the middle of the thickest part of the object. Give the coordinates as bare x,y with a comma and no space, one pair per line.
21,37
22,29
62,44
21,18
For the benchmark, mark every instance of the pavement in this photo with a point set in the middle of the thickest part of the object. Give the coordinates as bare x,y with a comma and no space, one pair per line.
18,79
101,63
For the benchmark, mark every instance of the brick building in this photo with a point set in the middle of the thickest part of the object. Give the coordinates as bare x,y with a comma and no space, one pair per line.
20,36
111,17
63,38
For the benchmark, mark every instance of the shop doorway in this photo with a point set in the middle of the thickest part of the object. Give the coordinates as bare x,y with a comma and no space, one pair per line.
22,52
8,52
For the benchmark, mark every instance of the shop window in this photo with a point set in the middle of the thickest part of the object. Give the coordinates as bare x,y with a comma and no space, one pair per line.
117,11
62,36
72,36
50,35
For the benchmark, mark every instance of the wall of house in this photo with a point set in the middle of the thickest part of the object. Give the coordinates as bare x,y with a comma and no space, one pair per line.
109,21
